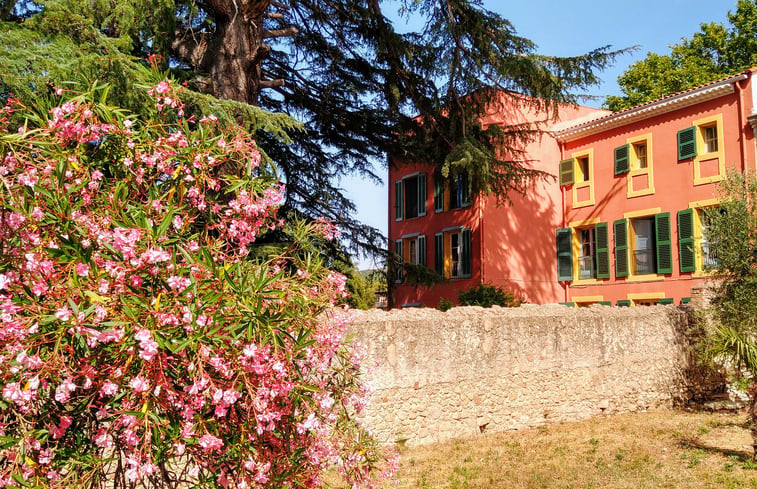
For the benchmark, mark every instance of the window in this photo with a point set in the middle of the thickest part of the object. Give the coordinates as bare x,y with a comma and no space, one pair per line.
458,194
710,138
590,246
638,165
583,174
452,253
451,193
644,246
640,151
645,240
410,197
586,255
702,142
694,252
411,249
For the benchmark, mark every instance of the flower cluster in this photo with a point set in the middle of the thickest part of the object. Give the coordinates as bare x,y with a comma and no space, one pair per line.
133,326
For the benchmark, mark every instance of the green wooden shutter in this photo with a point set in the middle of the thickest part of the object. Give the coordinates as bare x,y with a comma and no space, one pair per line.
666,301
466,252
439,253
686,255
422,250
399,259
603,249
422,194
685,300
624,303
464,198
566,172
438,194
398,200
605,303
687,143
564,254
621,159
663,240
621,248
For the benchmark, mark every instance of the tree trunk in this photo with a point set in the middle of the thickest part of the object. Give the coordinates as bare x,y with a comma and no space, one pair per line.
234,53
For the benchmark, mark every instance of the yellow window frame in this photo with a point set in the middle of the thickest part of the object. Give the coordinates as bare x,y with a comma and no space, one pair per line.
576,248
635,171
637,297
628,216
698,206
577,170
700,124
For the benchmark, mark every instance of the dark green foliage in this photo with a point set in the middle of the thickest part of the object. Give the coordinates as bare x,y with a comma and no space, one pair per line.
732,234
713,52
487,295
341,69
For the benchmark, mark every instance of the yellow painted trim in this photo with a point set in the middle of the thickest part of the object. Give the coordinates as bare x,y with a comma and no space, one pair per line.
699,123
576,248
587,281
579,185
647,277
635,172
640,296
584,223
587,298
705,203
698,206
642,213
645,295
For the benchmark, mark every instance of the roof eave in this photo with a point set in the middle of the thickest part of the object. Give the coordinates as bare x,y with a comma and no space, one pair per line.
661,106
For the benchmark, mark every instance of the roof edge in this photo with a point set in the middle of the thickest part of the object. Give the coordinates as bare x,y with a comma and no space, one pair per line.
660,106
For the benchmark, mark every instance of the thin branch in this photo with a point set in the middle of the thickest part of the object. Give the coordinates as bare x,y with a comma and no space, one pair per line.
289,31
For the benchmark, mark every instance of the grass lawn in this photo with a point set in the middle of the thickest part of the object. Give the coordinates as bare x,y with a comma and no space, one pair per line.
660,449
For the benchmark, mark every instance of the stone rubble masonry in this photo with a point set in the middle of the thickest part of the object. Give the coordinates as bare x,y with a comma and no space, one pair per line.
438,375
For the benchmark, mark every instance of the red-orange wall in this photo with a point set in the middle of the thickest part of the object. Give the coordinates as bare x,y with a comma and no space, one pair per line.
513,243
673,182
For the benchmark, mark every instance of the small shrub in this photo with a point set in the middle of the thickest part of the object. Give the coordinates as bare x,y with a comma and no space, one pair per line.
487,295
445,304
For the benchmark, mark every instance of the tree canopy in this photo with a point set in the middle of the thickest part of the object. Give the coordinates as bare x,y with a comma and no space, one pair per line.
714,52
355,87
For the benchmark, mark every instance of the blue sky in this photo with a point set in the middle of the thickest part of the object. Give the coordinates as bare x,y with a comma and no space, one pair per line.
573,27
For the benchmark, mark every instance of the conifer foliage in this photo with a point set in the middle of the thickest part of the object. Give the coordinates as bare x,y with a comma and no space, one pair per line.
340,68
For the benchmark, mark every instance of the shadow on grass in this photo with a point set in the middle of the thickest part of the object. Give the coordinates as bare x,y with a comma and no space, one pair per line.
695,444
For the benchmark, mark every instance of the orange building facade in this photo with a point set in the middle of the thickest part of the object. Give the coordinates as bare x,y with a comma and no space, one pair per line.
621,223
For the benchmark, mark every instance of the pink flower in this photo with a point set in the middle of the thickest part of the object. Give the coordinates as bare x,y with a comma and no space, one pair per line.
64,390
210,443
82,270
64,313
162,87
108,388
139,385
178,283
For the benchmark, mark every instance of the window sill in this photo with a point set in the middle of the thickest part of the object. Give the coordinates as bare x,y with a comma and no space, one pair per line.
703,274
586,281
649,277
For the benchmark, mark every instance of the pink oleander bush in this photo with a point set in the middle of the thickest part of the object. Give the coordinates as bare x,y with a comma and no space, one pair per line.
139,345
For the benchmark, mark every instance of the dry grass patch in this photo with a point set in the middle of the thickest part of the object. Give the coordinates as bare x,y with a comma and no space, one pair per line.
661,449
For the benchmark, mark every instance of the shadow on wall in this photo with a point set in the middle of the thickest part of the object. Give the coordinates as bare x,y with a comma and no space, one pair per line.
520,250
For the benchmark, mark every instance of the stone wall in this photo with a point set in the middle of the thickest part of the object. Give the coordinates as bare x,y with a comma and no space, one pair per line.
440,375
